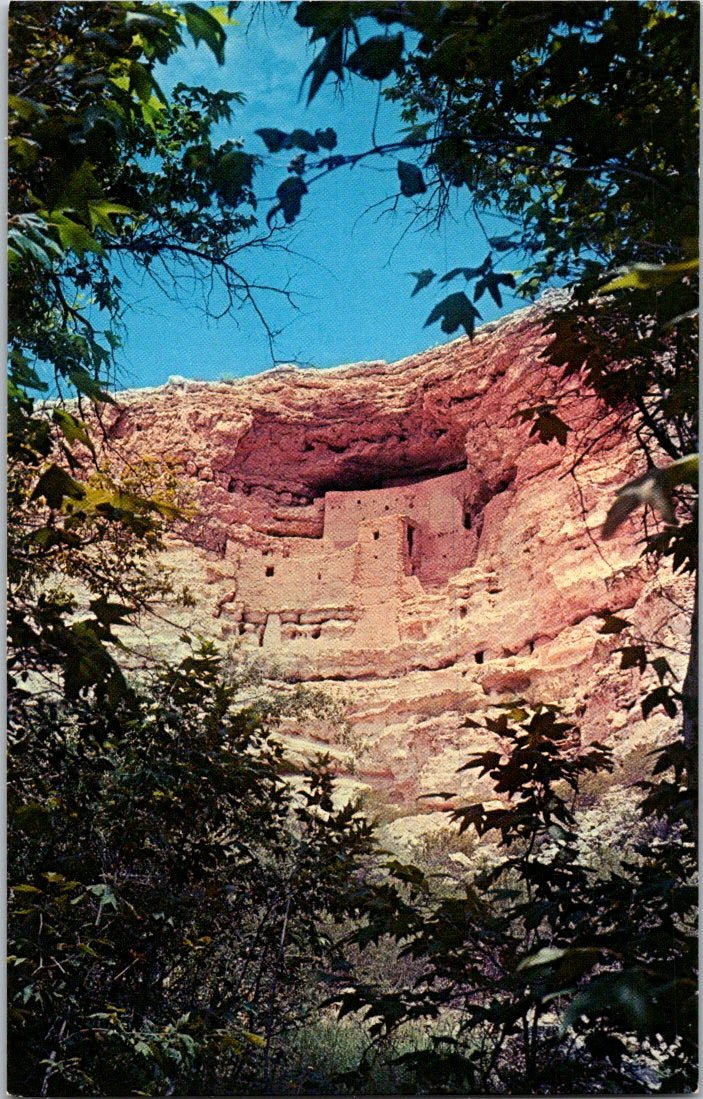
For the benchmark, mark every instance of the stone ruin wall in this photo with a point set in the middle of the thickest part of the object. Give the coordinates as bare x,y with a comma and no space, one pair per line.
375,549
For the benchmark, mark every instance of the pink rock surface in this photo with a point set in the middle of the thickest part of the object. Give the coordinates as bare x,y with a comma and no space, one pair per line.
393,532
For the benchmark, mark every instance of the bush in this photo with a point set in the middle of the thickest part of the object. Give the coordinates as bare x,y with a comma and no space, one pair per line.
167,890
562,975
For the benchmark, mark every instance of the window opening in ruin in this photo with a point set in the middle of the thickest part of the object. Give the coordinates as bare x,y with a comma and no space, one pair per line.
467,519
269,570
462,612
376,535
410,535
478,657
315,633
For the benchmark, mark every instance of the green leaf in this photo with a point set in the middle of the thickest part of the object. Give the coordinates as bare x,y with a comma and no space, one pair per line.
110,614
204,28
455,310
76,191
73,430
222,15
411,181
75,236
54,484
568,963
27,109
143,82
91,387
32,818
21,246
650,276
424,278
25,150
378,57
99,213
623,995
233,175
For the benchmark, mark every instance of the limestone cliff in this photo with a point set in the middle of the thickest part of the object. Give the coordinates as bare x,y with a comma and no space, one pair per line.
394,533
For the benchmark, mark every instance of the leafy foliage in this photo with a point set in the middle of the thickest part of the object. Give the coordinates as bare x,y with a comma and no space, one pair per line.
545,929
167,889
102,165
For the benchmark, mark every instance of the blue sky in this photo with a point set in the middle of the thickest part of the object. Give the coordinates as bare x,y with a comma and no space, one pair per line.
350,257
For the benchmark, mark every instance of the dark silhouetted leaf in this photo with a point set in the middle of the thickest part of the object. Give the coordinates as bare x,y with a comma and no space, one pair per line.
549,426
624,995
612,623
411,181
329,60
491,281
326,139
502,244
110,614
468,273
455,310
424,278
290,194
633,656
301,139
662,668
378,57
660,696
273,139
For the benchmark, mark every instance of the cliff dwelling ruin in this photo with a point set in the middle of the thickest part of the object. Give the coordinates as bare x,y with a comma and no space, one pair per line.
370,550
393,534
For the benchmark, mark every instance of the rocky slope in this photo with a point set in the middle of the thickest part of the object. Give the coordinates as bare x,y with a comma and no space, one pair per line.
393,534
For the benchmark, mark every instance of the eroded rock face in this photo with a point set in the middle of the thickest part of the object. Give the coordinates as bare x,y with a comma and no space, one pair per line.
394,533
